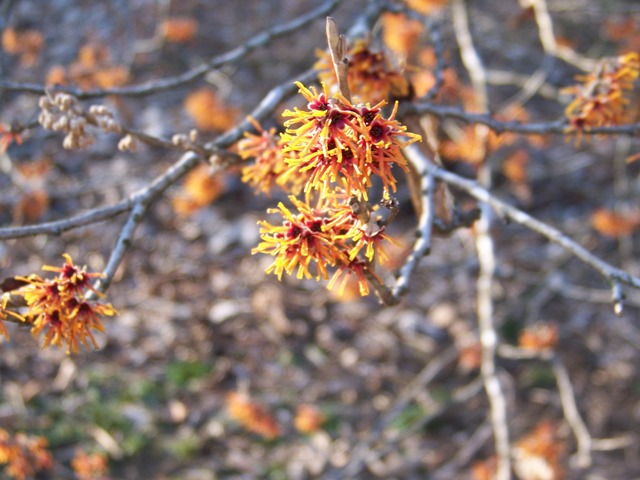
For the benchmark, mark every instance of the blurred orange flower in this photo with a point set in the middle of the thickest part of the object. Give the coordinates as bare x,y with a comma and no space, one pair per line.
90,466
252,416
24,455
308,419
209,112
179,29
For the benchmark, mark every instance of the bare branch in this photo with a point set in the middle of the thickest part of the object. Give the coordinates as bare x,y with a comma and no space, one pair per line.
571,413
485,251
612,274
157,86
553,127
548,39
425,222
142,202
60,226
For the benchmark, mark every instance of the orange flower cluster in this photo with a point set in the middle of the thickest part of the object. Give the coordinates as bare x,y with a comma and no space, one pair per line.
200,189
24,455
26,43
179,29
209,112
90,466
329,234
341,143
269,165
93,67
539,337
372,77
332,150
602,99
252,416
58,307
539,451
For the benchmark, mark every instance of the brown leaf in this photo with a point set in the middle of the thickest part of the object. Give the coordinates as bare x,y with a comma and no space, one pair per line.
537,455
209,112
515,167
31,206
400,33
179,29
614,224
200,189
252,416
26,43
542,336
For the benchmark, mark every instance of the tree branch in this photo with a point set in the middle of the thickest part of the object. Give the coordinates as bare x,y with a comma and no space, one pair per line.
157,86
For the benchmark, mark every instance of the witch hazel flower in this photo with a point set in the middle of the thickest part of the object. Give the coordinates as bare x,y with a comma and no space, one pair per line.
334,139
603,98
336,147
309,237
58,308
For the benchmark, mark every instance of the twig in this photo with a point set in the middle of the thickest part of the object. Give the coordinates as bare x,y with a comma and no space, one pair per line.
552,127
263,110
530,87
157,86
383,292
612,274
469,54
60,226
548,39
571,413
584,440
141,203
486,255
505,77
558,284
422,244
545,26
459,396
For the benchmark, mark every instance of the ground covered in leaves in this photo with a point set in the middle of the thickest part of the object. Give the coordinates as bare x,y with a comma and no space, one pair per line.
214,369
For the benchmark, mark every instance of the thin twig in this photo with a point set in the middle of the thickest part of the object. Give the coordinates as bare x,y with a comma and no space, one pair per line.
459,396
548,39
486,253
609,272
523,81
155,86
570,410
99,214
422,244
571,413
543,128
58,227
142,203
